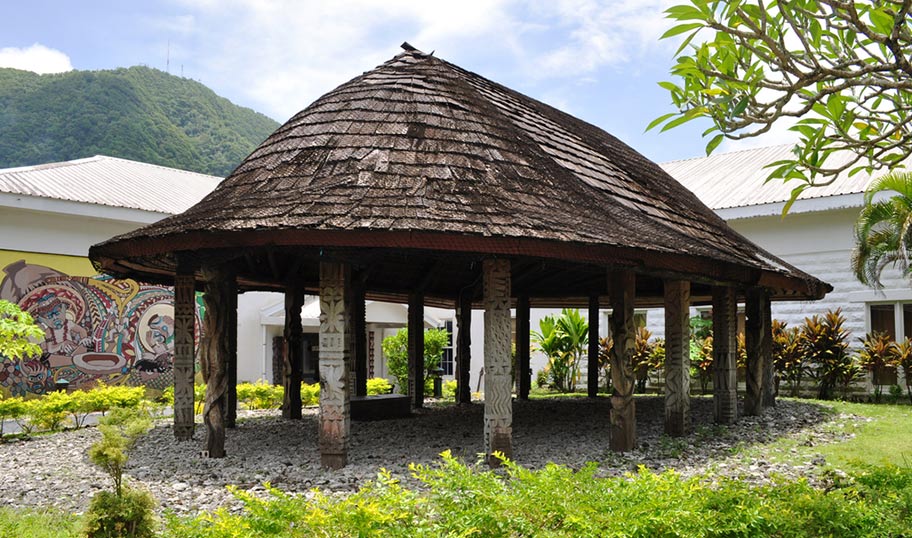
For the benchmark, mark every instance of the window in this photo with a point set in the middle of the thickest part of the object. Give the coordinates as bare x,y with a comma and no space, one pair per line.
446,361
895,319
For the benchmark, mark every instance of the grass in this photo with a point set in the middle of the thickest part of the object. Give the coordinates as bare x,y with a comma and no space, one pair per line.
886,439
46,523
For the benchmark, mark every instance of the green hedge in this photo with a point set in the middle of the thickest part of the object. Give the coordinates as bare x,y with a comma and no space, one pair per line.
458,500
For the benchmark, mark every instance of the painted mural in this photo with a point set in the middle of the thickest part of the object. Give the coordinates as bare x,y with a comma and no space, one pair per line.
98,328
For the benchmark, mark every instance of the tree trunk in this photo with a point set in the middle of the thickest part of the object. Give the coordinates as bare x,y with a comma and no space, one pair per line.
214,356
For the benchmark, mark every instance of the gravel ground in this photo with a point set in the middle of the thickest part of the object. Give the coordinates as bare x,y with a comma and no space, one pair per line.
54,470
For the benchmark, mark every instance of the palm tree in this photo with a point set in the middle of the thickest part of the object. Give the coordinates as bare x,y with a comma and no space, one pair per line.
883,231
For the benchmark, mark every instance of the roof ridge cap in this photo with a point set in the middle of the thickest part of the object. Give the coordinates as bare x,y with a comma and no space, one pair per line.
154,165
733,152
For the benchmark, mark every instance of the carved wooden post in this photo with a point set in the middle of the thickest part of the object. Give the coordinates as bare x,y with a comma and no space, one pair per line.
335,389
498,413
214,356
359,336
769,365
232,322
623,330
593,366
416,348
523,374
677,357
184,355
725,367
758,340
463,346
292,363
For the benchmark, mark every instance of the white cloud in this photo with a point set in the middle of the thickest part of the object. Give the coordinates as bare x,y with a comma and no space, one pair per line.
601,33
37,58
281,55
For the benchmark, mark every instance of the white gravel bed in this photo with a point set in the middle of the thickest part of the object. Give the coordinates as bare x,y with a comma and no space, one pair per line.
54,469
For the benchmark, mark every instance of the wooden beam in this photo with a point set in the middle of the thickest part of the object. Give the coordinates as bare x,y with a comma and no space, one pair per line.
184,354
232,359
523,355
725,368
416,348
464,345
592,383
769,366
622,434
677,358
359,335
758,340
292,364
335,386
498,414
214,352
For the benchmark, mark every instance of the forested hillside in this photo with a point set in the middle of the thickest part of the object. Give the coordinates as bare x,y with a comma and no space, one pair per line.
135,113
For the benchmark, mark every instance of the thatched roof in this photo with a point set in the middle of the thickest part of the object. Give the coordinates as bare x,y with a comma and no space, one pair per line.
423,160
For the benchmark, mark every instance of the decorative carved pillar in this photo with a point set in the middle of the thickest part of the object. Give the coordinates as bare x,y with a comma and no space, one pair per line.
416,348
769,364
184,354
359,336
214,352
498,413
622,286
335,390
463,346
593,366
677,357
758,340
292,364
523,373
232,323
725,366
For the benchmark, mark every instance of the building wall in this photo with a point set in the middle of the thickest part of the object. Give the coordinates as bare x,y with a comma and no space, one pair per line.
819,243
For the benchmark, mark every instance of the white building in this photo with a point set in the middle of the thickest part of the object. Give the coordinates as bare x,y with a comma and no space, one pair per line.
817,236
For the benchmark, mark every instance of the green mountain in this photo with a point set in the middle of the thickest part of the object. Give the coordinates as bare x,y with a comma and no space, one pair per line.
135,113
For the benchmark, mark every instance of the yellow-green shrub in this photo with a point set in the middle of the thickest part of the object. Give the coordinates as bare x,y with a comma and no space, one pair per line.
378,385
260,395
310,394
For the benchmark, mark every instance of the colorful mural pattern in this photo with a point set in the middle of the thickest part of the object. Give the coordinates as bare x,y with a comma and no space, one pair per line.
98,328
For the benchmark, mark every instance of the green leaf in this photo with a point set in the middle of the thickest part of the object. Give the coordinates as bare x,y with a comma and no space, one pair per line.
881,20
796,192
681,28
714,143
659,120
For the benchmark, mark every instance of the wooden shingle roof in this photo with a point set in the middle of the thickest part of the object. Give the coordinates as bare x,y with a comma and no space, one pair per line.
419,154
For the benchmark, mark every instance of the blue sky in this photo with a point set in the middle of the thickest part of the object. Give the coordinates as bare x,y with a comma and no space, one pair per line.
598,60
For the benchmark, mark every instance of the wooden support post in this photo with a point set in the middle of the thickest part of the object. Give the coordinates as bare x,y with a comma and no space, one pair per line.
498,412
523,367
622,286
593,365
677,358
231,366
214,352
335,385
769,365
463,346
725,366
416,348
293,365
758,340
359,337
184,354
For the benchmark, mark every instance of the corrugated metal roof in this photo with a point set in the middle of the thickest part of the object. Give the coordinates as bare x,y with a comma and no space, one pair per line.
736,179
112,182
